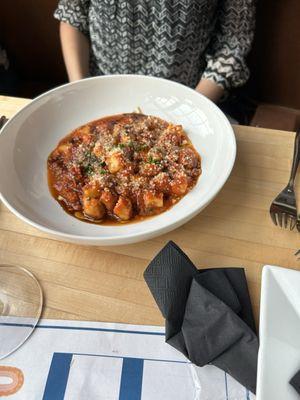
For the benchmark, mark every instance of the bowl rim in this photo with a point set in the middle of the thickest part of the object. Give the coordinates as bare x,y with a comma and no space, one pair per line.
147,234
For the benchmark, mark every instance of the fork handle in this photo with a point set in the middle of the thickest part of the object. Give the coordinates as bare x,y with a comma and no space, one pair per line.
296,159
3,120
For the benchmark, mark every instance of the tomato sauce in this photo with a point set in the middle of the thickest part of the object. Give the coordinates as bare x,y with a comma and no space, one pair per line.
122,168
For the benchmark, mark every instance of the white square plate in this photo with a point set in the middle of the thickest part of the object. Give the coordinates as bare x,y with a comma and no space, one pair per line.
279,353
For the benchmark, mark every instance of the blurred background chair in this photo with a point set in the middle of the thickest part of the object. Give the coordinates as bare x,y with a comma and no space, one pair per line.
271,98
275,65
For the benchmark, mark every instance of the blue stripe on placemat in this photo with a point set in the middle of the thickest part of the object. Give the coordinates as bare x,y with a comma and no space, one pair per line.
58,376
131,379
145,359
131,375
82,328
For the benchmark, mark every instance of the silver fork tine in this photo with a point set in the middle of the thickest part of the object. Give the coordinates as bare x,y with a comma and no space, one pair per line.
285,219
293,223
279,216
284,207
273,216
3,120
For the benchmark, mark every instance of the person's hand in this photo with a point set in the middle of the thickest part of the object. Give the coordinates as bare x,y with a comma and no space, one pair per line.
210,89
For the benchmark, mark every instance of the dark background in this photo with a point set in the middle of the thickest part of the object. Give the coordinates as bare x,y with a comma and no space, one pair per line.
30,35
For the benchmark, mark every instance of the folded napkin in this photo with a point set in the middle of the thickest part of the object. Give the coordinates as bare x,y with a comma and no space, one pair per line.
295,382
208,313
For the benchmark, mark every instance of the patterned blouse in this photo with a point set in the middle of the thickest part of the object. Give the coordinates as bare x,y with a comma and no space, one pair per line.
181,40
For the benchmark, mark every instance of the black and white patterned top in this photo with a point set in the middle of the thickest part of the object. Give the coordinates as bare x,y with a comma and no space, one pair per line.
182,40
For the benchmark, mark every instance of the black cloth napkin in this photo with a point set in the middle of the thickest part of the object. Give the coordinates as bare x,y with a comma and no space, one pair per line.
295,382
208,313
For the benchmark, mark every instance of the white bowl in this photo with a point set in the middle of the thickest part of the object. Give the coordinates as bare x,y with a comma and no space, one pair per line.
28,138
279,351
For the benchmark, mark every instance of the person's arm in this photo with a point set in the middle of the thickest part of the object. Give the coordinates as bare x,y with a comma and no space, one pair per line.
75,48
210,89
74,34
231,41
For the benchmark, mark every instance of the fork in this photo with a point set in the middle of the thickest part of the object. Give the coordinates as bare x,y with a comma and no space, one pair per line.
3,120
284,207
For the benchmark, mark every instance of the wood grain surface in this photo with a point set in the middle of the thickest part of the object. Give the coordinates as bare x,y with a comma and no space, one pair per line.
106,283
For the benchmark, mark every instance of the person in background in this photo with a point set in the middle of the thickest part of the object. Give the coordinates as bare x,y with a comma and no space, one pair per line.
199,43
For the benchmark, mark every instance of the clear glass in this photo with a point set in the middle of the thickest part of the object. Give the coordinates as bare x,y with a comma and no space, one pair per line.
21,301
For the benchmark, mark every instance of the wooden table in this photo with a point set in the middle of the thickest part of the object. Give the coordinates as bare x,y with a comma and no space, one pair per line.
106,283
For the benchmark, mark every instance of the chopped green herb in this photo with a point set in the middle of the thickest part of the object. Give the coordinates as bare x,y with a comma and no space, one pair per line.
88,169
151,160
120,146
103,171
102,163
89,157
139,147
93,158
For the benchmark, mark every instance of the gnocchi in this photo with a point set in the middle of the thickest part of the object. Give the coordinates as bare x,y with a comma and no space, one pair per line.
122,168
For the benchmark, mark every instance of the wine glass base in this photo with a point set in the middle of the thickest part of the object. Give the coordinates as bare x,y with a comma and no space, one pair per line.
4,307
21,301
